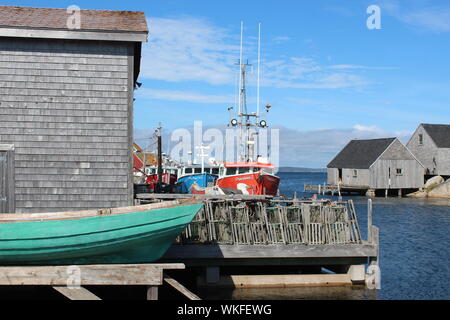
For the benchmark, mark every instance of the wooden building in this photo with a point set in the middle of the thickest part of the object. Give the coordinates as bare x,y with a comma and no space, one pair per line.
376,164
430,143
66,107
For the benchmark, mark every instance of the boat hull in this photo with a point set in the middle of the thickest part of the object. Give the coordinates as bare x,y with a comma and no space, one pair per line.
134,237
251,184
185,184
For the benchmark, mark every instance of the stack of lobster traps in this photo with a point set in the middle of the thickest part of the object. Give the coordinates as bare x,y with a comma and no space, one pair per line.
268,222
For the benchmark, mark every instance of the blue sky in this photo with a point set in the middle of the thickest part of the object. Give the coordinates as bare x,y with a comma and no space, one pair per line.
328,77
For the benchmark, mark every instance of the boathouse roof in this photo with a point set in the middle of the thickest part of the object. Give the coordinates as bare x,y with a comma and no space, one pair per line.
53,23
440,133
360,154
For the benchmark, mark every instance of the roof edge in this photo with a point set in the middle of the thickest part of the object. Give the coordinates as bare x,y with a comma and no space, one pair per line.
387,148
66,34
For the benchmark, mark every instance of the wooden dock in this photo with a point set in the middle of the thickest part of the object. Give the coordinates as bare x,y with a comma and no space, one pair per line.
259,232
327,189
70,281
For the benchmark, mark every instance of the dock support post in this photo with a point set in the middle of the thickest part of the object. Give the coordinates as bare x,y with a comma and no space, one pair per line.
152,293
399,193
212,274
369,220
357,274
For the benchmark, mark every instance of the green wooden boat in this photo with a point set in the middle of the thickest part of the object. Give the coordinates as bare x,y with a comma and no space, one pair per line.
138,234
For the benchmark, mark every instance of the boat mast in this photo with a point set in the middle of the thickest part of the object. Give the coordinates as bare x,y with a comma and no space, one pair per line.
246,137
259,64
202,155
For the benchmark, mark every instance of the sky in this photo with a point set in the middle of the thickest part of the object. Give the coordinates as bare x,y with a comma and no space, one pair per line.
328,77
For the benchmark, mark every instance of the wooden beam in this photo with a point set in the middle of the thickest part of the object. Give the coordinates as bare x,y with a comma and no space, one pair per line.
174,196
74,34
79,293
152,293
270,251
136,274
280,281
180,288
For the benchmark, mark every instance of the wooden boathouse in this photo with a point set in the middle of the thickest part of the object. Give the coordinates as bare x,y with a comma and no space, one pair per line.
430,143
66,107
370,165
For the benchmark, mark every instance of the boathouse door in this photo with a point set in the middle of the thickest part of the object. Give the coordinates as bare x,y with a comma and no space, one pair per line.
7,197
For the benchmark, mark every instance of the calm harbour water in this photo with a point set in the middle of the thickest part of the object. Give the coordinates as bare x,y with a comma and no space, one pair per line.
414,248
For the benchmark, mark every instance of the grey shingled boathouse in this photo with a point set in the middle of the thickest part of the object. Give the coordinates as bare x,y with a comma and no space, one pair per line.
430,143
376,164
66,108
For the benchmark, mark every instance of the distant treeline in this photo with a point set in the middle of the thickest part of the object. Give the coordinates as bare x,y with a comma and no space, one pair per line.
300,169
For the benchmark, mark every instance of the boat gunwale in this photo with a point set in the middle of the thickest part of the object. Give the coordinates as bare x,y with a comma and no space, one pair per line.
71,215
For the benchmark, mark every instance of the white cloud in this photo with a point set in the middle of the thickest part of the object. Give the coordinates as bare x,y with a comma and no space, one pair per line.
192,49
434,18
279,39
186,49
306,148
316,148
174,95
353,66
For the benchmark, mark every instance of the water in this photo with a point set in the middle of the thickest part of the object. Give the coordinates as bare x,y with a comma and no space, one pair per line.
414,248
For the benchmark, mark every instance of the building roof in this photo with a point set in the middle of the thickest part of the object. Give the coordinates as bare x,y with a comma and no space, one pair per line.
440,133
360,154
50,20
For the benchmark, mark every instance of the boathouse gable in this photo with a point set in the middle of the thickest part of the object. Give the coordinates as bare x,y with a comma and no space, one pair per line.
430,143
66,105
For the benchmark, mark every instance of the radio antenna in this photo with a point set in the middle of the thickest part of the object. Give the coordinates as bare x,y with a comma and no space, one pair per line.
259,62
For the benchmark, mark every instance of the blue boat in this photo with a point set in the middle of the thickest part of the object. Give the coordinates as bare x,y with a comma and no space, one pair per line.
189,177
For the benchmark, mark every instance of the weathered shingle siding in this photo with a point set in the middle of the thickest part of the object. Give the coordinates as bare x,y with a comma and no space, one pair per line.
66,106
332,176
425,153
361,179
412,174
397,156
443,161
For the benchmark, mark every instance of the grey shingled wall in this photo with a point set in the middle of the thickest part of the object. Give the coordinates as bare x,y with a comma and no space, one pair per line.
426,152
67,108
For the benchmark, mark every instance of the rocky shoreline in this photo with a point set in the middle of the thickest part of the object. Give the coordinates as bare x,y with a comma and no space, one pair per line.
436,187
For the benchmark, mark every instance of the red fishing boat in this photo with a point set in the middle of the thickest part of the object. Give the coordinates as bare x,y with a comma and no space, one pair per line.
251,178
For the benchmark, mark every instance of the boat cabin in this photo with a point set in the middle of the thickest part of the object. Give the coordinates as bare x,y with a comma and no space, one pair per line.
237,168
154,170
186,171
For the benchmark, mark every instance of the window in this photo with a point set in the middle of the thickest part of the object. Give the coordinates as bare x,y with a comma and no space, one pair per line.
231,171
399,171
187,170
420,139
244,170
215,170
355,173
198,170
